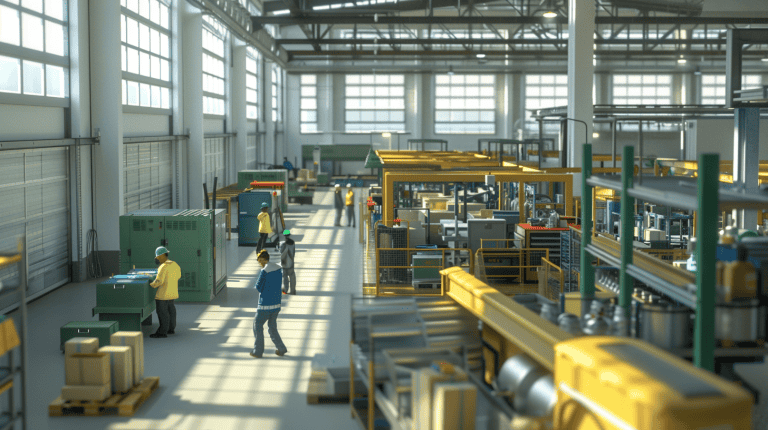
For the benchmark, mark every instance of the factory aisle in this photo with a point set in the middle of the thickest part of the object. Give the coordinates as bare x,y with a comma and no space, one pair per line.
207,378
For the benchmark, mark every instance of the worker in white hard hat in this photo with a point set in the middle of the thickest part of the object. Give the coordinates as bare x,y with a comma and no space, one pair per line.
338,204
350,203
287,255
167,285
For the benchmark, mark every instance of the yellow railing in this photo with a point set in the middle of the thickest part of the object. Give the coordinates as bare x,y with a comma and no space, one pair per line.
667,255
510,270
551,280
395,269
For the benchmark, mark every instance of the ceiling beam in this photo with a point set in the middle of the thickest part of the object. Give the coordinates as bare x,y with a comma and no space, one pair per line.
347,16
273,6
528,53
480,41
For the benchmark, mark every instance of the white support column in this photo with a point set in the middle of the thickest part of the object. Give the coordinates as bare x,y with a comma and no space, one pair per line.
239,114
192,90
107,117
746,153
581,30
177,106
80,126
269,137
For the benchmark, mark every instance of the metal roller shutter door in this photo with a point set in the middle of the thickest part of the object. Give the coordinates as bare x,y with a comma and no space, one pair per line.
35,202
215,161
148,169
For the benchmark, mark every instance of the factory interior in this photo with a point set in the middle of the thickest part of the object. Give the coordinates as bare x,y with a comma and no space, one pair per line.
481,240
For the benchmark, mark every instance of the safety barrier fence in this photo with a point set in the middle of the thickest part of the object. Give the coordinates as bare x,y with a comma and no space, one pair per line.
510,270
551,280
411,271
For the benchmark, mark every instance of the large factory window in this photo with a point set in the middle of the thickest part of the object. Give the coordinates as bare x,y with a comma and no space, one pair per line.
713,87
544,91
277,97
145,30
214,73
465,104
252,58
34,52
374,103
642,89
309,103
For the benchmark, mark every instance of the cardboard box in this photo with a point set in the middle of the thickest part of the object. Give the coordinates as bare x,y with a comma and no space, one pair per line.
652,234
423,384
121,367
81,345
454,406
134,339
87,369
94,393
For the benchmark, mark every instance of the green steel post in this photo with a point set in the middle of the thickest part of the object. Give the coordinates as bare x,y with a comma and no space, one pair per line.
587,270
627,227
706,256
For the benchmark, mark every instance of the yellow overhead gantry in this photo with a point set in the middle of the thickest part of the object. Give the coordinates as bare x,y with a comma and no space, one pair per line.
477,176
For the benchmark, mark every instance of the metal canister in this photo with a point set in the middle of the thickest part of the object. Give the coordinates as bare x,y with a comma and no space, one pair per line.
550,312
739,321
570,323
597,325
517,375
542,397
665,325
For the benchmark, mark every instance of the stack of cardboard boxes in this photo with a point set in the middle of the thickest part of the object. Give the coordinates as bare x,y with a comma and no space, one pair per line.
443,398
93,373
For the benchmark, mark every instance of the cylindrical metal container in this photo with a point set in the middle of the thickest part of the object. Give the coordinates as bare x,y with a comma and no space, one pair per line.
739,321
542,397
570,323
665,325
516,375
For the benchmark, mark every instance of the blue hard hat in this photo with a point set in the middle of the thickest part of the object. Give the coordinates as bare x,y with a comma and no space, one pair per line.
265,205
160,251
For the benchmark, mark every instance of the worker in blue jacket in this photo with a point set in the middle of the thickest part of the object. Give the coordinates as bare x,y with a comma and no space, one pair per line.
270,295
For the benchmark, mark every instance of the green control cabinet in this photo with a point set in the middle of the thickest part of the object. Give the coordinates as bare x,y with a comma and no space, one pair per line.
195,238
125,291
99,329
245,177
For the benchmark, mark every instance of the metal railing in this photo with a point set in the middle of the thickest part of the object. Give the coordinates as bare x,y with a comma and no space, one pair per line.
667,255
551,280
510,270
398,273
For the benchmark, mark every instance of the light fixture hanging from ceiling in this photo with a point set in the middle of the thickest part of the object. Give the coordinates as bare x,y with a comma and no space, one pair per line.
450,70
550,13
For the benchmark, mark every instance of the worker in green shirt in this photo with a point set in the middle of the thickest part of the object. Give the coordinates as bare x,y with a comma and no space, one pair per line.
167,285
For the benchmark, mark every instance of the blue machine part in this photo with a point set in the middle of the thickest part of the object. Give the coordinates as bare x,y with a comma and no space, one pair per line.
249,206
728,253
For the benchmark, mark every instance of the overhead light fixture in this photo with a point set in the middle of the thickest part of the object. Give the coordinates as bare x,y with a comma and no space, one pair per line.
681,60
481,55
550,14
765,60
386,134
595,135
450,70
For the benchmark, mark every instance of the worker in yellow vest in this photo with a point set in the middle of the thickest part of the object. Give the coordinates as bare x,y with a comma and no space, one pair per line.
167,285
265,226
350,203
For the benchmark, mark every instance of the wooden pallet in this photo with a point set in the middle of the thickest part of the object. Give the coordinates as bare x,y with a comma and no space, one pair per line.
124,404
316,393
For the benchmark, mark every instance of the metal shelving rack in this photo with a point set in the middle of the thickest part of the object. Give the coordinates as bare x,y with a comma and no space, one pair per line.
14,417
704,195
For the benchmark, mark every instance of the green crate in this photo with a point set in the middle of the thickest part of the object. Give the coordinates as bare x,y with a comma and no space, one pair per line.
426,273
122,292
99,329
323,179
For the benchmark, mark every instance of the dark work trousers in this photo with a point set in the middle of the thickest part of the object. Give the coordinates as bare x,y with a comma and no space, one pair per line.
262,241
351,216
166,314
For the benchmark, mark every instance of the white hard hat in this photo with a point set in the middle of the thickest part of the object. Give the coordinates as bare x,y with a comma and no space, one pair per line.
349,185
337,185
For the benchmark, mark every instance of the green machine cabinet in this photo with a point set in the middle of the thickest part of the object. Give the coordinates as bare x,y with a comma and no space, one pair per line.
195,239
99,329
127,299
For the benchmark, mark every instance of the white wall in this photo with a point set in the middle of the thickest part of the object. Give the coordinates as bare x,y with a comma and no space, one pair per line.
31,122
717,135
140,125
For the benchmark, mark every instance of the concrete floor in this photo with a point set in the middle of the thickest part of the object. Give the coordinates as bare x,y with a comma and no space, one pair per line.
207,378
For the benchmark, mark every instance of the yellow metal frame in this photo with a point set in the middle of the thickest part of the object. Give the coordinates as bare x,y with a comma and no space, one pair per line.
502,176
527,331
526,269
406,290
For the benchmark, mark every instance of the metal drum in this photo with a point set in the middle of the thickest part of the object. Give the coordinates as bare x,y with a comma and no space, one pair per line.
740,321
665,325
542,397
517,375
